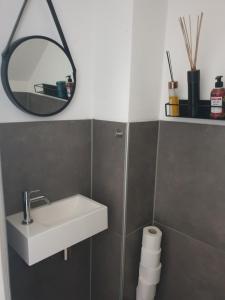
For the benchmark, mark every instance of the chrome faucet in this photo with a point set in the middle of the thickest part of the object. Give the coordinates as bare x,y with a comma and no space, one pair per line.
27,201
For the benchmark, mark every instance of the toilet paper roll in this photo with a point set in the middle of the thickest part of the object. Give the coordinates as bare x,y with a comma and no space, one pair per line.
149,258
152,238
150,275
145,291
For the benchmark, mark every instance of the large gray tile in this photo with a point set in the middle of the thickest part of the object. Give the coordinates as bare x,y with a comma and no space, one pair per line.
52,278
192,270
190,183
54,157
132,260
106,266
143,139
108,170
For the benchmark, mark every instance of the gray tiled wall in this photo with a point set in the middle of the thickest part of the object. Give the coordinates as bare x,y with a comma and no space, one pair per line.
52,278
54,157
143,137
109,178
108,188
106,266
108,170
190,208
192,269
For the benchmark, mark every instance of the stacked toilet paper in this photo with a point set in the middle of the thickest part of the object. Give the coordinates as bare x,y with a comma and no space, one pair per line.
150,266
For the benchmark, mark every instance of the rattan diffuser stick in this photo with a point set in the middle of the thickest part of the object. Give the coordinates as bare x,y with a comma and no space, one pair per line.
188,39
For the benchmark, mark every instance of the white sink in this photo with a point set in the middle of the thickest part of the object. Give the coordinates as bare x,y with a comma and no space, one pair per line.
56,227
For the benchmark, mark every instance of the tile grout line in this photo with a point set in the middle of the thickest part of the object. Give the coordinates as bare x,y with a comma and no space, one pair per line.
92,150
90,276
156,172
125,183
191,237
4,254
91,241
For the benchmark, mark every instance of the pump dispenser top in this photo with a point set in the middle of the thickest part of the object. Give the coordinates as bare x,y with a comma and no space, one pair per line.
219,82
69,78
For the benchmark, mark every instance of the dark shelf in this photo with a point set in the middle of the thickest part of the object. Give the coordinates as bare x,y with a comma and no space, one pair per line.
48,90
204,110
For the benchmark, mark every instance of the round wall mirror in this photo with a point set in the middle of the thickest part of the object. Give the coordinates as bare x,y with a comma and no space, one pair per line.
38,75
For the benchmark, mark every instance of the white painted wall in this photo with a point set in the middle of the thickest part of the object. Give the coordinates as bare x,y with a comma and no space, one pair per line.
211,60
112,59
129,40
117,49
130,68
149,19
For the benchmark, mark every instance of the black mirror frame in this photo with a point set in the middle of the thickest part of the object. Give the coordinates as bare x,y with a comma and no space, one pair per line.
5,80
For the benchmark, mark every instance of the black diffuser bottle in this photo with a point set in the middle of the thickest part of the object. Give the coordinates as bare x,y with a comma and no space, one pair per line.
193,78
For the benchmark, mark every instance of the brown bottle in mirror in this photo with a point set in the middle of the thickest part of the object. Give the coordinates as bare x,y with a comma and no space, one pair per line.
69,86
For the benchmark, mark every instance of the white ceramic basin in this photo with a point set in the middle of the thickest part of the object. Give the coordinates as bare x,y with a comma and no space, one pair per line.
56,227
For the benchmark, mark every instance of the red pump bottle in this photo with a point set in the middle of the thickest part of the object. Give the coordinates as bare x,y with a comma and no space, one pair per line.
218,100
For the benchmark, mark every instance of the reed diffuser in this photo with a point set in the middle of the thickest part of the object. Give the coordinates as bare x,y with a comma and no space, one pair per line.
173,95
192,46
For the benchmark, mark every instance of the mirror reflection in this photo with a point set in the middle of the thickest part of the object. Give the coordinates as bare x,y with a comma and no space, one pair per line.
40,76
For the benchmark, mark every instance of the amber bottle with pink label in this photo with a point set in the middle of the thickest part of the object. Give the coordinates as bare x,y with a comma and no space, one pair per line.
218,100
